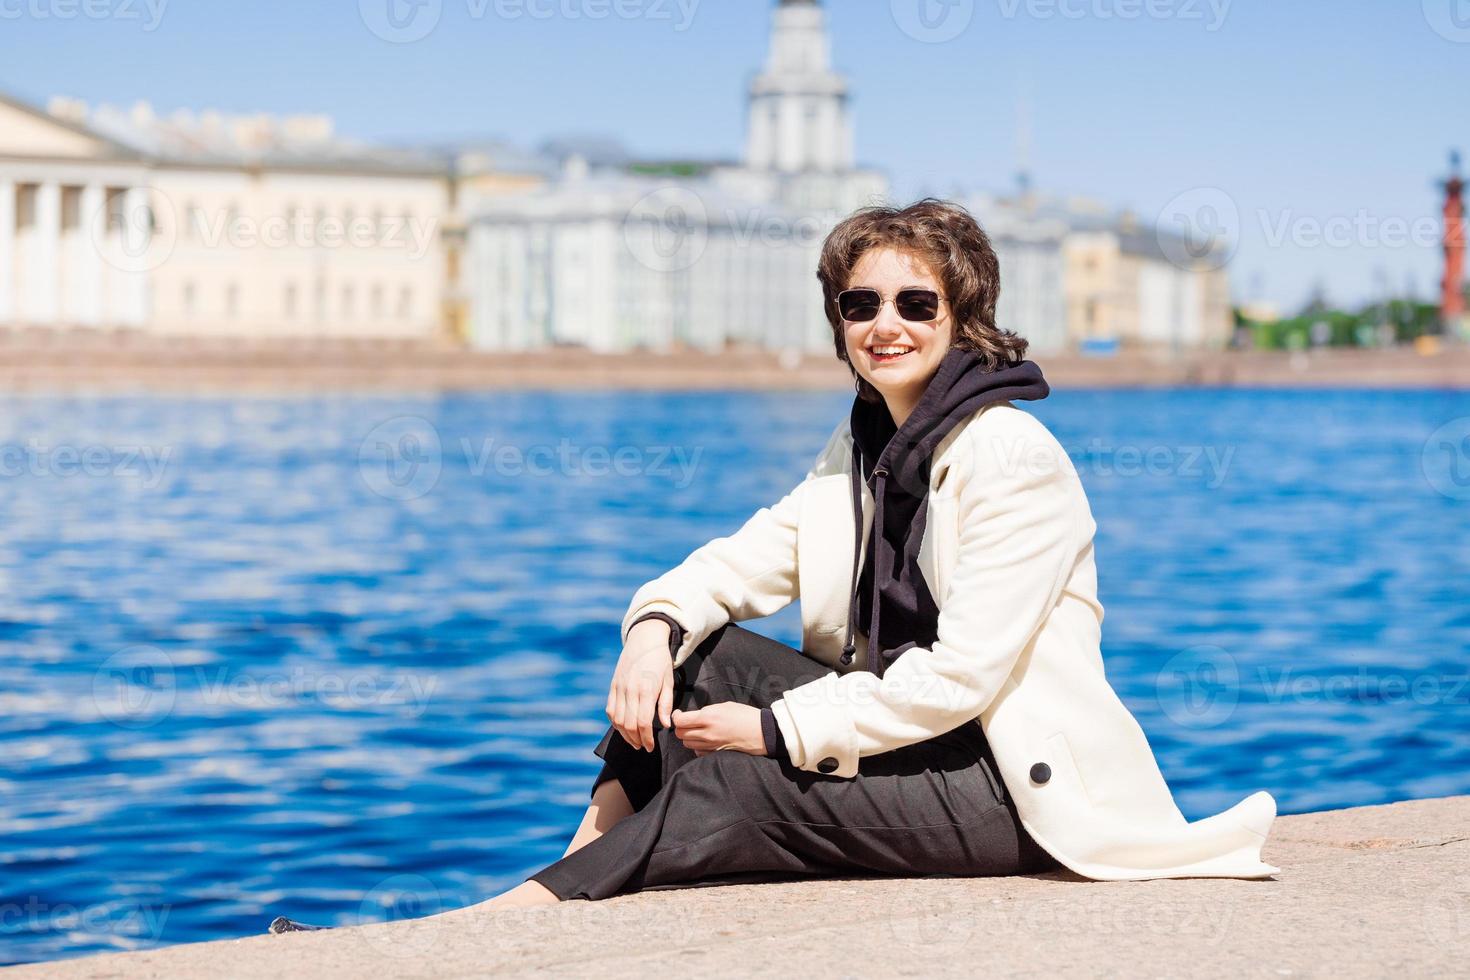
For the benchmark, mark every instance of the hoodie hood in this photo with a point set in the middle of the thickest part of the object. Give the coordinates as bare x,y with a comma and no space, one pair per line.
895,461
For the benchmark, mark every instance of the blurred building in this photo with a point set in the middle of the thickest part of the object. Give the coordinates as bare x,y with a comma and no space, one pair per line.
619,254
799,126
272,227
212,225
1033,299
1110,281
202,224
66,246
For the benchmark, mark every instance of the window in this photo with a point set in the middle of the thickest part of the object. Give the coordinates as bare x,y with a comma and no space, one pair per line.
405,301
232,301
288,301
349,298
190,298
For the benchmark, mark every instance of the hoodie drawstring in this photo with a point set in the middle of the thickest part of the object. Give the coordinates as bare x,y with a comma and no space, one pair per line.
857,546
850,647
875,664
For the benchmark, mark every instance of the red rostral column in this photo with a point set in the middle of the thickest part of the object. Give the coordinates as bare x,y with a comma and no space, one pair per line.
1452,300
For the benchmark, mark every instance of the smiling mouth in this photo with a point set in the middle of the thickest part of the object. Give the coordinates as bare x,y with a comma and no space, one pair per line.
887,353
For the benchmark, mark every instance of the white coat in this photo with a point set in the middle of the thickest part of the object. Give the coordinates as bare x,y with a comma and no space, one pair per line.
1007,554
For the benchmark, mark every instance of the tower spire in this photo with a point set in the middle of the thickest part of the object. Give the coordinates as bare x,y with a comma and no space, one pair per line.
1452,292
798,119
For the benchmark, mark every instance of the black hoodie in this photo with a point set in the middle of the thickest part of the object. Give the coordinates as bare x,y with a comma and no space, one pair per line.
897,612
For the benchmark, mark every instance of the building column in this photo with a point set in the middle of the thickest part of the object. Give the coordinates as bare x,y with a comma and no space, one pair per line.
44,302
789,149
91,304
137,237
7,251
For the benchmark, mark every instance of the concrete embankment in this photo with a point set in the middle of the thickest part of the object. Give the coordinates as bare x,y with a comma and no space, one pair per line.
92,362
1363,892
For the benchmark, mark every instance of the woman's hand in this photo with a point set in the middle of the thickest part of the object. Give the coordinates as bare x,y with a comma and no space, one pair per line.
642,684
724,725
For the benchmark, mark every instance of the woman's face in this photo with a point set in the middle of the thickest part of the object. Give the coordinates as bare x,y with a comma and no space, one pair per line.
898,357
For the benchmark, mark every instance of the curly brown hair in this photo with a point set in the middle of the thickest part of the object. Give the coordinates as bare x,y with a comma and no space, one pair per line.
955,248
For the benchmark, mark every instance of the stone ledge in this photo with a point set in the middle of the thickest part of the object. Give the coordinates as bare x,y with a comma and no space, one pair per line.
1367,891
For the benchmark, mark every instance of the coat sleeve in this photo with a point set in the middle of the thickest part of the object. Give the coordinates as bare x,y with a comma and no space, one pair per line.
745,575
1022,520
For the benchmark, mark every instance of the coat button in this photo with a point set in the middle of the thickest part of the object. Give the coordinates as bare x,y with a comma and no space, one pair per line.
1040,773
828,764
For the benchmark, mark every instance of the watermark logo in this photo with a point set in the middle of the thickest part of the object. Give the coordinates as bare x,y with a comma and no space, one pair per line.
1445,459
933,21
134,230
135,687
1449,18
667,230
1199,687
401,459
401,21
1199,229
1445,915
400,898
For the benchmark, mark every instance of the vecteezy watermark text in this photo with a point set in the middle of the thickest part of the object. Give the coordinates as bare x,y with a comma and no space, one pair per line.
937,21
569,459
1211,13
140,685
407,21
35,458
128,919
1200,687
402,458
402,232
148,13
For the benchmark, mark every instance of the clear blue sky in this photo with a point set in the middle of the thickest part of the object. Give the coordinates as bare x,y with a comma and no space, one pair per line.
1301,112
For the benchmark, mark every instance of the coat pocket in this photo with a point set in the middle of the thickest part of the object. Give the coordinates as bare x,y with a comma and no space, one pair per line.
1064,764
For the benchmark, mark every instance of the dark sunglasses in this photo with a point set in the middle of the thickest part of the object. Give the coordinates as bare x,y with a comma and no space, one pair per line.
914,305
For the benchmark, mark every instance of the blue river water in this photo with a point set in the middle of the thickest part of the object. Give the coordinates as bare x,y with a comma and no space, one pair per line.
346,658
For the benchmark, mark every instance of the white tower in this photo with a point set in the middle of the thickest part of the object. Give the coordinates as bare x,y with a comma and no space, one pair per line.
798,118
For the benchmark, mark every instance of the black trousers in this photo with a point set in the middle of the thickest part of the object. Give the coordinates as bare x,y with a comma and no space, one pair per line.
934,807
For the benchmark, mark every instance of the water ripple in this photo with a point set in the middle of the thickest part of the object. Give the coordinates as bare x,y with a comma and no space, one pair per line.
346,658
